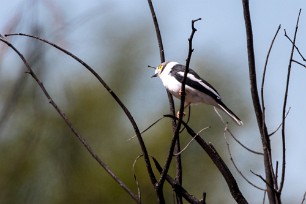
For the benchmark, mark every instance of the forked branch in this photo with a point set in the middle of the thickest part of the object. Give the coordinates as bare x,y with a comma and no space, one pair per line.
180,119
218,161
285,106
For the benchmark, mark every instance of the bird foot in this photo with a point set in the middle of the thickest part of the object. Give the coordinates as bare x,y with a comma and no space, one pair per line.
178,114
181,92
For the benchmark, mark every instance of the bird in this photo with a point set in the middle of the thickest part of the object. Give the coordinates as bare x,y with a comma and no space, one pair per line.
197,90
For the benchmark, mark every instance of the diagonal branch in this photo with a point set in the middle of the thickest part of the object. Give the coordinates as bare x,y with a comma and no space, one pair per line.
69,124
236,167
219,163
177,187
232,135
297,62
120,103
297,49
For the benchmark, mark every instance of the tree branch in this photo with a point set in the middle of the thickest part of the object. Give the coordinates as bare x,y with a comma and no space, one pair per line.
219,163
236,167
69,124
256,103
116,98
176,134
284,109
170,99
177,187
264,77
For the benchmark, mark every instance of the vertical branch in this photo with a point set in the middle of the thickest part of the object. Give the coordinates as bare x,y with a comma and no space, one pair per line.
263,101
256,103
176,134
157,31
264,77
284,109
179,168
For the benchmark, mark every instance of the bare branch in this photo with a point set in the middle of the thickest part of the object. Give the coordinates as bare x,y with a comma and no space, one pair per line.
259,176
303,65
264,197
264,77
157,31
284,108
304,197
177,187
69,124
177,130
220,164
238,170
147,128
297,49
256,102
280,125
232,135
120,103
170,97
135,177
191,140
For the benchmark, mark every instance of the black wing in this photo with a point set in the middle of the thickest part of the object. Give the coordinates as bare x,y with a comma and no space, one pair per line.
199,84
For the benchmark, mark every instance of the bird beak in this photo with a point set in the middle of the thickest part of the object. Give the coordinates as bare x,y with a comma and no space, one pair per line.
155,75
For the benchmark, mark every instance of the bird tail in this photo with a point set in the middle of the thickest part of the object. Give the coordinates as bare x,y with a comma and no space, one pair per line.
230,113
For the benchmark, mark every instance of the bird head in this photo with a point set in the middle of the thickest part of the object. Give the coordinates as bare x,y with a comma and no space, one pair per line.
159,69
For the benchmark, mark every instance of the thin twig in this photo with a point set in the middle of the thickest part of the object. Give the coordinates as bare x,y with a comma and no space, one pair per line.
276,170
191,140
259,176
157,31
284,109
69,124
232,135
303,65
264,77
297,49
238,170
280,125
135,177
219,163
177,187
263,101
264,197
147,128
304,197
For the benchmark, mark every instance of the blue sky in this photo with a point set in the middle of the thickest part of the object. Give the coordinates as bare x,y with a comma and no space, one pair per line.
220,36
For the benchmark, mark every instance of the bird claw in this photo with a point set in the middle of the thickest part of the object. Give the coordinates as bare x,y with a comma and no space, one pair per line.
178,114
182,93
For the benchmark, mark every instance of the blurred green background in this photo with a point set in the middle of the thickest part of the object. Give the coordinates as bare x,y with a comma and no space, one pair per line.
43,162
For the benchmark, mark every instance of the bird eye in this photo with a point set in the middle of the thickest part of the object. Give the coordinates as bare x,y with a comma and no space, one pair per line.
160,66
